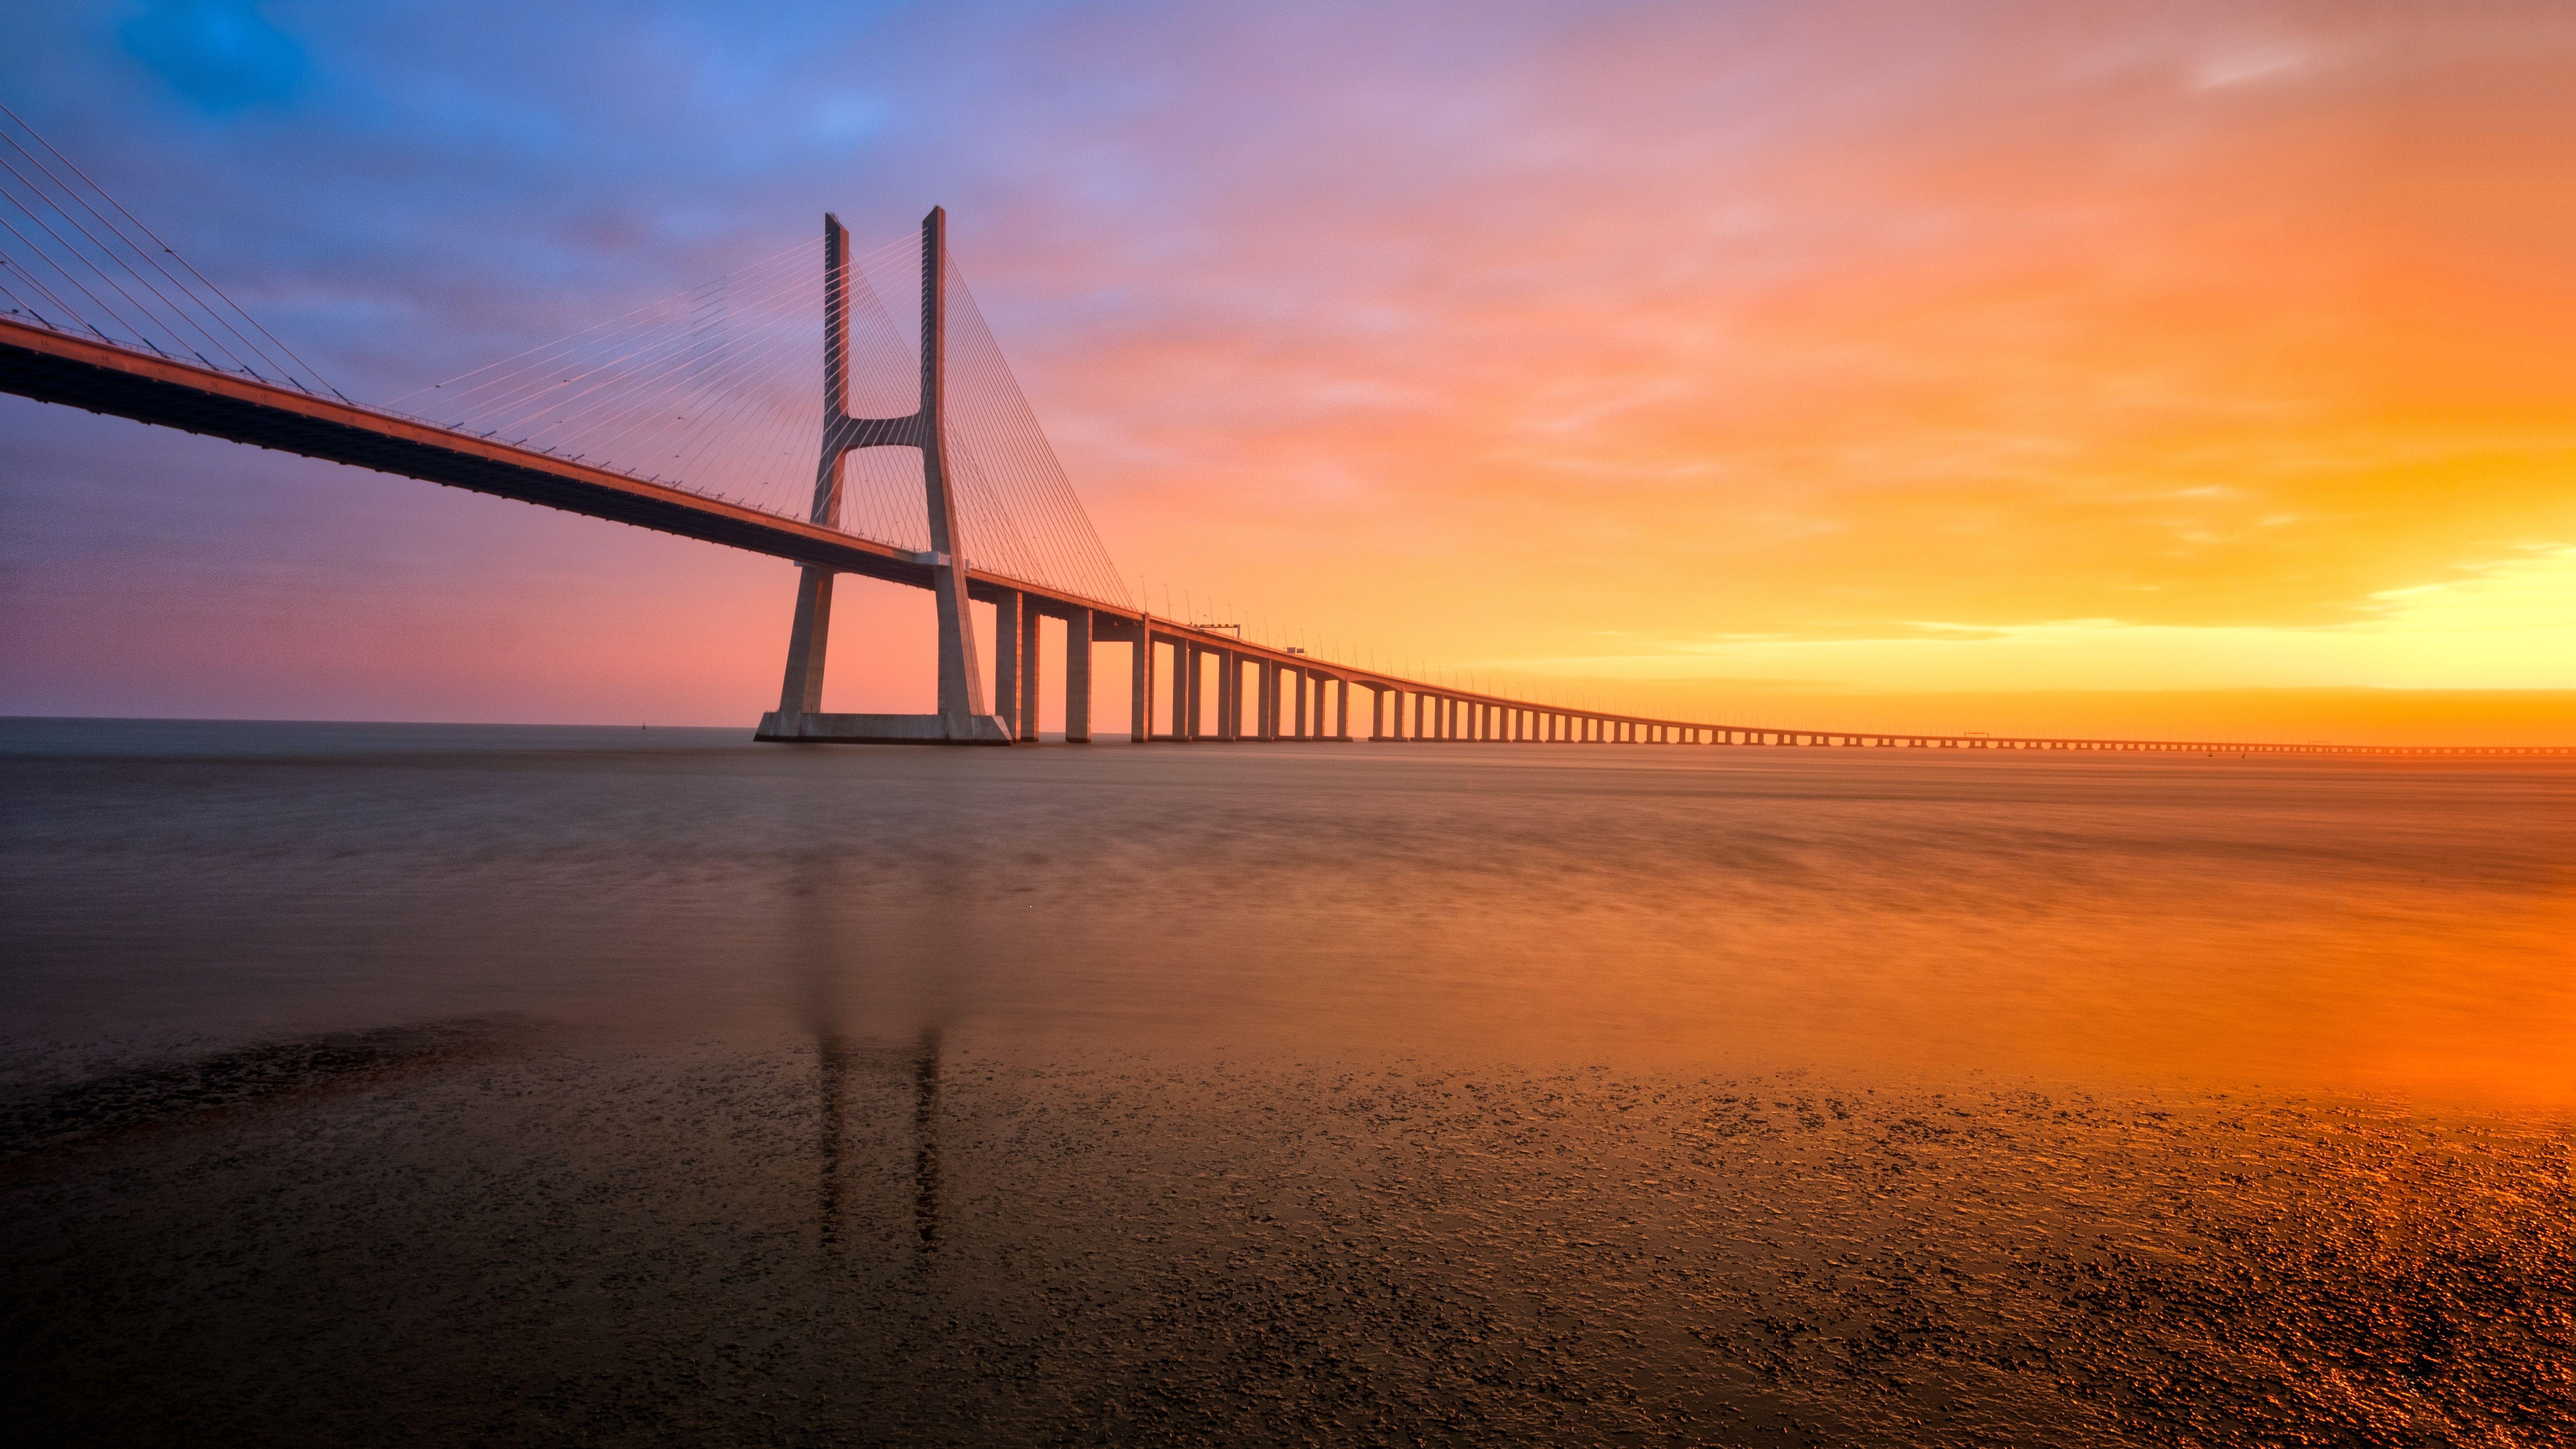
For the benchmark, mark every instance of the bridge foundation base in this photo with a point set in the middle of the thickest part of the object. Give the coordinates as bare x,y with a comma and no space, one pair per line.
878,729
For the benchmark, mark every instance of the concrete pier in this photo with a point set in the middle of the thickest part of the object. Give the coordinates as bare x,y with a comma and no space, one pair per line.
1006,654
1140,683
1077,678
1026,726
1185,691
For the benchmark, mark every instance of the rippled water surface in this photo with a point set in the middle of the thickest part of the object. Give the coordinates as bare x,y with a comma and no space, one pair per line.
382,1084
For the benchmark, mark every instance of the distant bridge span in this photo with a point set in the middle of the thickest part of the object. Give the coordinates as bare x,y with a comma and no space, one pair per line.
1278,694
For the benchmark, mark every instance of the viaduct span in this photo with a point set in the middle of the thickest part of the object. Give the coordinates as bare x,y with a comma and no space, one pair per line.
1185,682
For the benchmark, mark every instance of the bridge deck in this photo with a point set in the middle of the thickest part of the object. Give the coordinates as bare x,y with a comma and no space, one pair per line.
57,367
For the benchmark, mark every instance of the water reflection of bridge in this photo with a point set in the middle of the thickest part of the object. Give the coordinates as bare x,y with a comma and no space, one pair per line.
837,1062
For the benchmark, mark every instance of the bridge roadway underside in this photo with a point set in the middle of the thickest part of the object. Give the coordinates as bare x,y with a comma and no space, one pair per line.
51,367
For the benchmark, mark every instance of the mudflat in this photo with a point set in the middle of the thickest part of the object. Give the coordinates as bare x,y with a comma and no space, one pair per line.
419,1084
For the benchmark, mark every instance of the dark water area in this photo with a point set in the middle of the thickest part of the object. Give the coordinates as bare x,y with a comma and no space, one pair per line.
447,1085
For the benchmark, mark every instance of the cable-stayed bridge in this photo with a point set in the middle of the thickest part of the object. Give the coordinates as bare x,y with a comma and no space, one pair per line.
846,411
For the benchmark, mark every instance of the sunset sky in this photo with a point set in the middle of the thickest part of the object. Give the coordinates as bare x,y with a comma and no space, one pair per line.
2009,366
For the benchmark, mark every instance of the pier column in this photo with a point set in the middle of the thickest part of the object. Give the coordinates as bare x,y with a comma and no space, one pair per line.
1006,657
808,642
1077,677
1304,720
1027,723
1229,697
1341,709
1140,684
1265,714
1185,690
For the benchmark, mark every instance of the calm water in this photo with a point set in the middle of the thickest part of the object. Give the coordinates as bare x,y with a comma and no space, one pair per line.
384,1084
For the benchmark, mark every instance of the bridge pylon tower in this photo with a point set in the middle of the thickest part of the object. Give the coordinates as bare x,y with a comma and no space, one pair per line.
965,717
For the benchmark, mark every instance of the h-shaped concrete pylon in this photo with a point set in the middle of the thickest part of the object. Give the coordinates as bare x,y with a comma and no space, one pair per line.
964,715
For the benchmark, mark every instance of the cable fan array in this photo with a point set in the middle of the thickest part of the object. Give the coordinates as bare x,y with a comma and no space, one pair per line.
73,259
718,391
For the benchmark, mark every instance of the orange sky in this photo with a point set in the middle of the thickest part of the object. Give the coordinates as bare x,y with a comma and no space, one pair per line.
2020,350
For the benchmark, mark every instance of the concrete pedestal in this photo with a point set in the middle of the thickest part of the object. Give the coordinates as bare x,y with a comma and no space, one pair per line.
878,729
